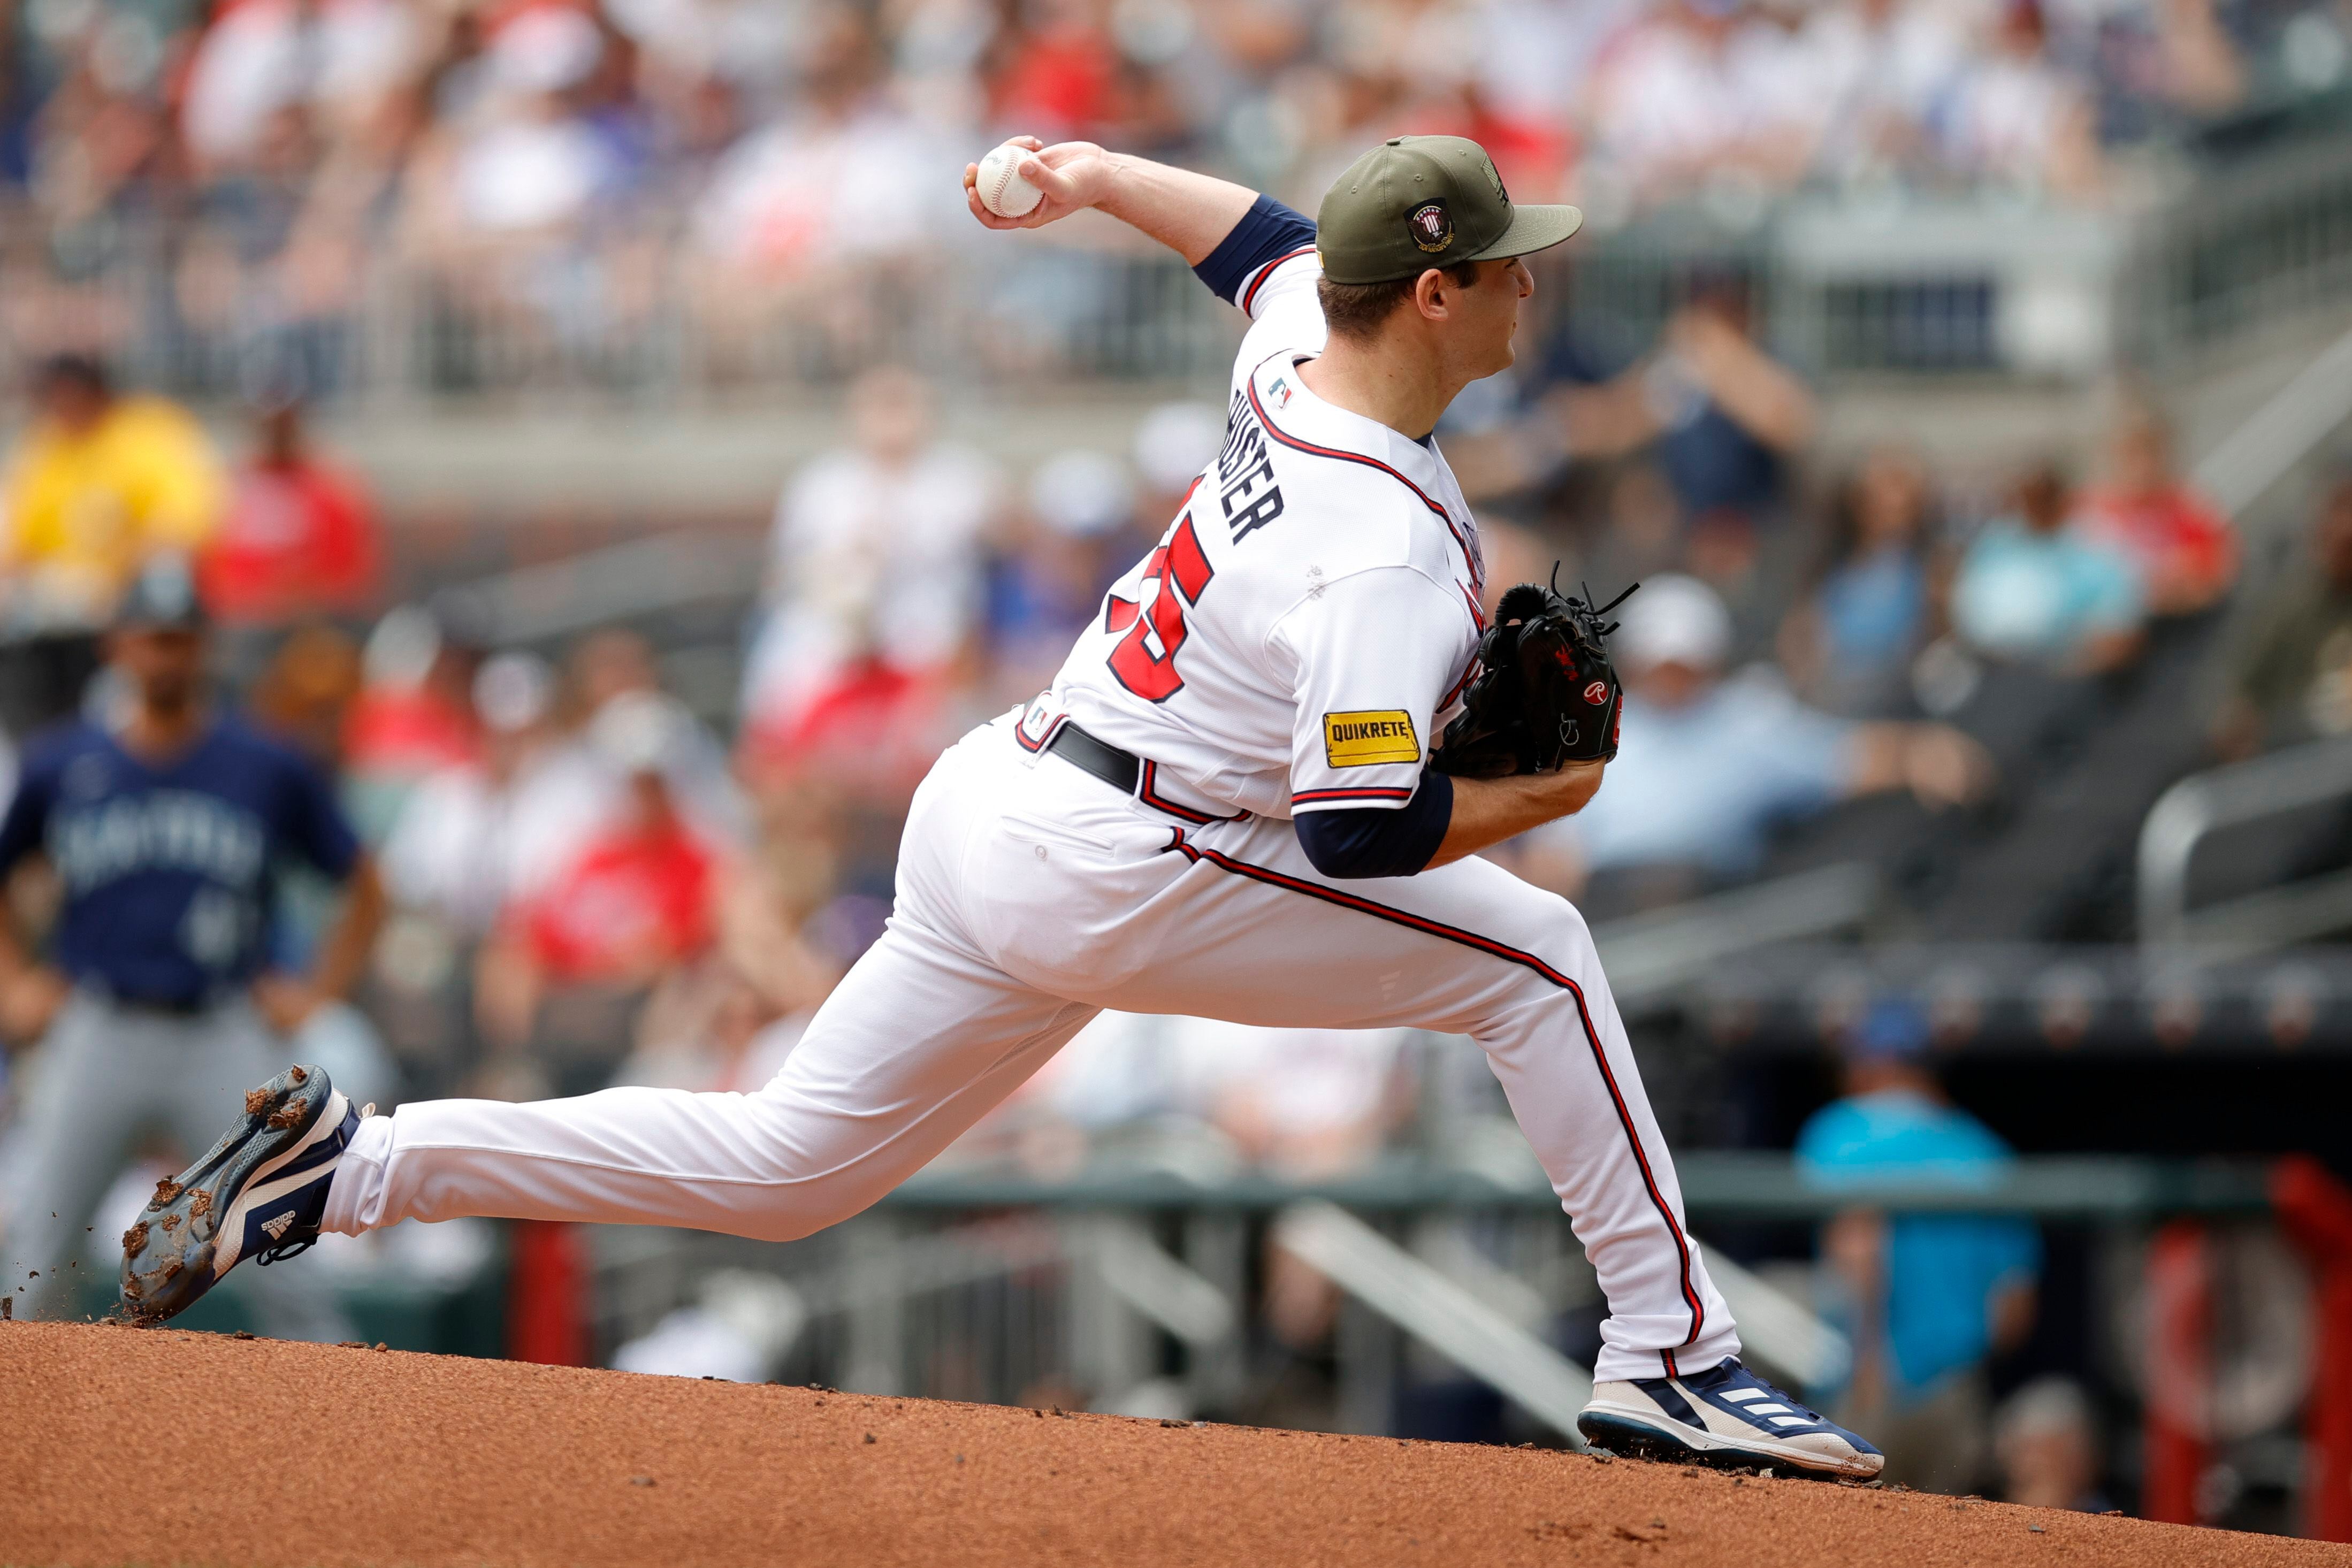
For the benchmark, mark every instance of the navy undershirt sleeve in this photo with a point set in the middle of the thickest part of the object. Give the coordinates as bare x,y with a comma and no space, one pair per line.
1267,231
1367,840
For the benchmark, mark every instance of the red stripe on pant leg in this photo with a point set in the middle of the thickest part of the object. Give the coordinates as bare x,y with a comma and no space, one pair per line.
1525,961
1668,1357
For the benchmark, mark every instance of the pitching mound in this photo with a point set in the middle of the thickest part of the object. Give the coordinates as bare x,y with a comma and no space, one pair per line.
166,1448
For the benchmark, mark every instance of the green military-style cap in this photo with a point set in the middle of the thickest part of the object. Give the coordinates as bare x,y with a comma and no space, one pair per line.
1417,202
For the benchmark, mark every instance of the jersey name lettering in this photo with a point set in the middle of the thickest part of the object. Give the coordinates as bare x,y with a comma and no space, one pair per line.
1245,474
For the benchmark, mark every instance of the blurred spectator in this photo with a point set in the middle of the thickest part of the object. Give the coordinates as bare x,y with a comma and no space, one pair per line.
1870,605
635,900
1719,416
2012,116
1307,1103
1051,577
298,537
1881,66
98,483
875,577
2046,1438
2183,544
414,714
2033,589
1706,766
1174,443
336,60
616,664
304,694
2290,668
476,832
1926,1298
1677,102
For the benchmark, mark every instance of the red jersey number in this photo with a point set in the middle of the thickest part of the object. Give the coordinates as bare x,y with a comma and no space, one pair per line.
1182,573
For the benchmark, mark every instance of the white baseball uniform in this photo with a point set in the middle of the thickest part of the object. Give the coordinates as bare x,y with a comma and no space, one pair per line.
1307,624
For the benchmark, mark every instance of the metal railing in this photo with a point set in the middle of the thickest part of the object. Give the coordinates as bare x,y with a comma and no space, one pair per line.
2184,816
1078,1296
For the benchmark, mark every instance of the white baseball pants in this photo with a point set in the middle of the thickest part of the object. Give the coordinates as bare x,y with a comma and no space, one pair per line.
1031,895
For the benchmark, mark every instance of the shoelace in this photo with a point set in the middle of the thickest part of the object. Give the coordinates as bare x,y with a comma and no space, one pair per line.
268,1255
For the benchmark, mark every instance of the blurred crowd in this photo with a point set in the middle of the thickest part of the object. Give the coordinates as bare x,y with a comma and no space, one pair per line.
571,168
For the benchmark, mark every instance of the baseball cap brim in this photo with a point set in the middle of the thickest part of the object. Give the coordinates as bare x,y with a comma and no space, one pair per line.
1533,229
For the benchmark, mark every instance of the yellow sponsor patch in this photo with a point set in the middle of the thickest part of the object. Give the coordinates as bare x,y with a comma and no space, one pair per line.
1362,740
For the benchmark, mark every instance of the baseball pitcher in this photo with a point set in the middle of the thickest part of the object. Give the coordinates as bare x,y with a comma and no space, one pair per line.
1230,803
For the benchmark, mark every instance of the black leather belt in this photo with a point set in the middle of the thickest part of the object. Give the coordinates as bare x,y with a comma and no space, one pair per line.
1122,771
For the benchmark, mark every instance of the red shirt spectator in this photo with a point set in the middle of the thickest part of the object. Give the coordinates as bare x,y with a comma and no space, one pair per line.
2184,545
298,538
636,901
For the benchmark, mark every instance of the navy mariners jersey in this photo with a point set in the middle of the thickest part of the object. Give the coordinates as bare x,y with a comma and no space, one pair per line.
168,870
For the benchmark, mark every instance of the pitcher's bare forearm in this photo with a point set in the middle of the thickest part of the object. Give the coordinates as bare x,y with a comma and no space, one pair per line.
1187,212
1487,811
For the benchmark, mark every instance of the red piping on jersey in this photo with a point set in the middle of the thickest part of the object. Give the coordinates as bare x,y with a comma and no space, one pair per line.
1525,961
1148,793
1305,796
1477,574
1468,670
1249,295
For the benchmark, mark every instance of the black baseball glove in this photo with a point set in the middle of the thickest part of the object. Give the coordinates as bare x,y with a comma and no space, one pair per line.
1546,692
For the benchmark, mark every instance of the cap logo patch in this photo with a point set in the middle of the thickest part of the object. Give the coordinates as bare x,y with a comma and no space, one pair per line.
1431,226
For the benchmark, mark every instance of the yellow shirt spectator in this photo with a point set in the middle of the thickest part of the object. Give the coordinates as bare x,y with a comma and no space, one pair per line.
94,489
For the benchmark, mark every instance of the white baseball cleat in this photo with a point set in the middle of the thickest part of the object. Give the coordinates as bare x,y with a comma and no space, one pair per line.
1724,1416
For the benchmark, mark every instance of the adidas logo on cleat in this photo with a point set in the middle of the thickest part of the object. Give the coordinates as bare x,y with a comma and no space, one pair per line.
277,1229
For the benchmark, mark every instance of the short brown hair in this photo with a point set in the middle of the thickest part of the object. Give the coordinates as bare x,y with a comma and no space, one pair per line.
1357,310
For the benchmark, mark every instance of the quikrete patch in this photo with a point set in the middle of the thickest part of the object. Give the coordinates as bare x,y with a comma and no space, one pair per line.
1360,739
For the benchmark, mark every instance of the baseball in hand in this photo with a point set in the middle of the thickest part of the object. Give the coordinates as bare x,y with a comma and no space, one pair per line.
1002,189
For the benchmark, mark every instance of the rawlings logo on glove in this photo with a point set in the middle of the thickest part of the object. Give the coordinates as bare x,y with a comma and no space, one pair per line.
1546,692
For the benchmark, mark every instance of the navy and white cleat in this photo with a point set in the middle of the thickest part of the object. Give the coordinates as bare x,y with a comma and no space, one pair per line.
1724,1416
260,1194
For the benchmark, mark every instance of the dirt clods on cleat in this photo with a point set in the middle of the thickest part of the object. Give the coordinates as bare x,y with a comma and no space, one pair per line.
171,1222
134,1240
285,1116
171,1270
200,1204
298,1075
256,1101
166,1191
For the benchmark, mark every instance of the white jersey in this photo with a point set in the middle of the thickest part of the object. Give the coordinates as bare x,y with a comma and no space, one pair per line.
1311,617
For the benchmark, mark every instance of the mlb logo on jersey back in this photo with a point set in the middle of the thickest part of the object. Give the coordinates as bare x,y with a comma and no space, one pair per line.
1363,739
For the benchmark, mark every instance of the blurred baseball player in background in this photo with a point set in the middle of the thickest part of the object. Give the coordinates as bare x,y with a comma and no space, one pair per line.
1225,806
166,827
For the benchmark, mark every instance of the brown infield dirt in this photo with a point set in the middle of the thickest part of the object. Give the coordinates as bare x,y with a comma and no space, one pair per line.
156,1447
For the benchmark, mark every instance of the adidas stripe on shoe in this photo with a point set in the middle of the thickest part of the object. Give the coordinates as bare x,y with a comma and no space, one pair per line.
1724,1416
